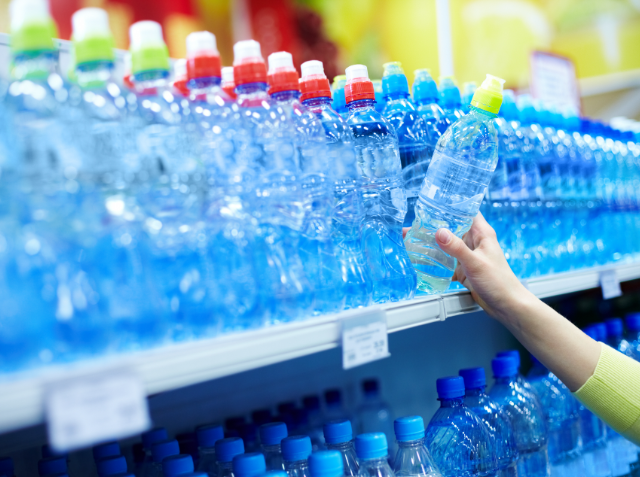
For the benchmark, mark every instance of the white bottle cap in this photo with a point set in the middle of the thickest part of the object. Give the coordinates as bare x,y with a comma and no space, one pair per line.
23,12
90,23
180,69
145,33
280,59
313,67
246,49
227,74
200,42
357,72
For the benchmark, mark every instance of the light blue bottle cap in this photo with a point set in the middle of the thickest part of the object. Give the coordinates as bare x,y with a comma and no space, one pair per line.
295,448
154,435
372,445
424,88
451,387
394,80
409,428
509,110
474,378
177,465
449,94
336,432
6,467
161,450
528,113
504,367
271,434
111,465
227,449
107,449
614,327
326,464
249,465
52,465
208,434
514,353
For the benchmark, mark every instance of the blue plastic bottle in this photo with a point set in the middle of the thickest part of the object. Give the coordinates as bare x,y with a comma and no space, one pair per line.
334,407
468,90
249,465
317,249
425,97
527,418
495,419
450,100
374,414
454,186
458,440
114,465
372,453
412,458
295,454
160,451
271,436
326,464
380,97
338,436
378,159
632,337
52,465
177,465
226,450
339,102
208,435
411,131
109,449
348,207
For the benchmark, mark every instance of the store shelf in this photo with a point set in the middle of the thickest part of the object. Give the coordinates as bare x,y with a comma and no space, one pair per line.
176,366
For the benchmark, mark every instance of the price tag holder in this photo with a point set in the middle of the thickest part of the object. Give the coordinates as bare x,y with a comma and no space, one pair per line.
105,406
610,284
364,338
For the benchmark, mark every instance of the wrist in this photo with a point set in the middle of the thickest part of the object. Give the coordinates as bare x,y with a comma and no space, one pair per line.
518,301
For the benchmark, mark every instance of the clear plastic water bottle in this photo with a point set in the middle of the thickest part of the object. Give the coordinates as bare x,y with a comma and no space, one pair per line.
348,206
317,249
326,464
468,90
271,436
249,465
295,454
411,131
450,100
378,159
494,417
381,100
458,440
160,451
177,465
208,435
108,449
372,453
339,101
228,83
338,436
334,407
226,449
454,187
374,414
527,418
114,465
277,204
412,458
425,97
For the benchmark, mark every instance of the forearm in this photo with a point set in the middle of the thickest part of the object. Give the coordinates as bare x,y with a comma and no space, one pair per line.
563,348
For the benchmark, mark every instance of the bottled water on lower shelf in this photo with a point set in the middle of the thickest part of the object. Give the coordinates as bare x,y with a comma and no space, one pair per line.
412,458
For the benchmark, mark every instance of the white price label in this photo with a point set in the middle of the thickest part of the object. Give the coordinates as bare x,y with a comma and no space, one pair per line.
87,410
364,338
610,284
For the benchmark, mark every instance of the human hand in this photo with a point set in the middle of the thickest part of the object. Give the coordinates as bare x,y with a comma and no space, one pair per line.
483,269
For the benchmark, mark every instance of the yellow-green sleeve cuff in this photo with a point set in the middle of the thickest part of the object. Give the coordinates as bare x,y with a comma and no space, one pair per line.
613,393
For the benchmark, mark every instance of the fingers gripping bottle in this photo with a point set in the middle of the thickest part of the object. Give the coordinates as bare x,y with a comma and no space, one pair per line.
317,249
378,159
411,131
348,207
454,187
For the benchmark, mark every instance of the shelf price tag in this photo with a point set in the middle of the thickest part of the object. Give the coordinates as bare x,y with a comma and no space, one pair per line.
364,338
610,284
87,410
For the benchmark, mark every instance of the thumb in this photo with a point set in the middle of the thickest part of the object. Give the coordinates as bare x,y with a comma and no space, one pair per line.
454,246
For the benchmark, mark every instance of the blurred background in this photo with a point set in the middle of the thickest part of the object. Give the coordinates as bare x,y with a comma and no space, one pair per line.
601,37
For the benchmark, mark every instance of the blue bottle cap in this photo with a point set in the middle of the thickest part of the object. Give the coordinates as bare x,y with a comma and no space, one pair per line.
208,434
474,378
449,94
336,432
372,445
424,88
450,387
509,110
227,449
261,416
6,467
333,397
633,322
272,433
409,428
591,331
249,465
394,80
614,327
528,113
154,435
601,328
177,464
163,449
311,403
504,367
295,448
116,464
52,465
514,353
326,464
107,449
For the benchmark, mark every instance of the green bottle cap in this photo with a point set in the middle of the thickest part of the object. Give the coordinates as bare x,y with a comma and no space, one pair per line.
148,49
92,38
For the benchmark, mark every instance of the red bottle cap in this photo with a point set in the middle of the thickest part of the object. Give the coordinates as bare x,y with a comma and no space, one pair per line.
358,86
203,59
248,64
282,74
314,83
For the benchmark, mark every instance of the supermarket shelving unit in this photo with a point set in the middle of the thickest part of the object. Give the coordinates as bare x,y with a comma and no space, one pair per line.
176,366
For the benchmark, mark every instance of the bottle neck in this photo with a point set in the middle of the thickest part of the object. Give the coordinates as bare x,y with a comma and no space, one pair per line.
425,101
251,88
273,448
148,80
475,392
286,95
361,105
294,464
95,74
411,444
34,66
506,380
340,446
207,451
482,113
316,102
375,462
397,95
203,83
453,402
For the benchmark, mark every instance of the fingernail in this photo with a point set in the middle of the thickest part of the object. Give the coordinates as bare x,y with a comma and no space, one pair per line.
443,236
